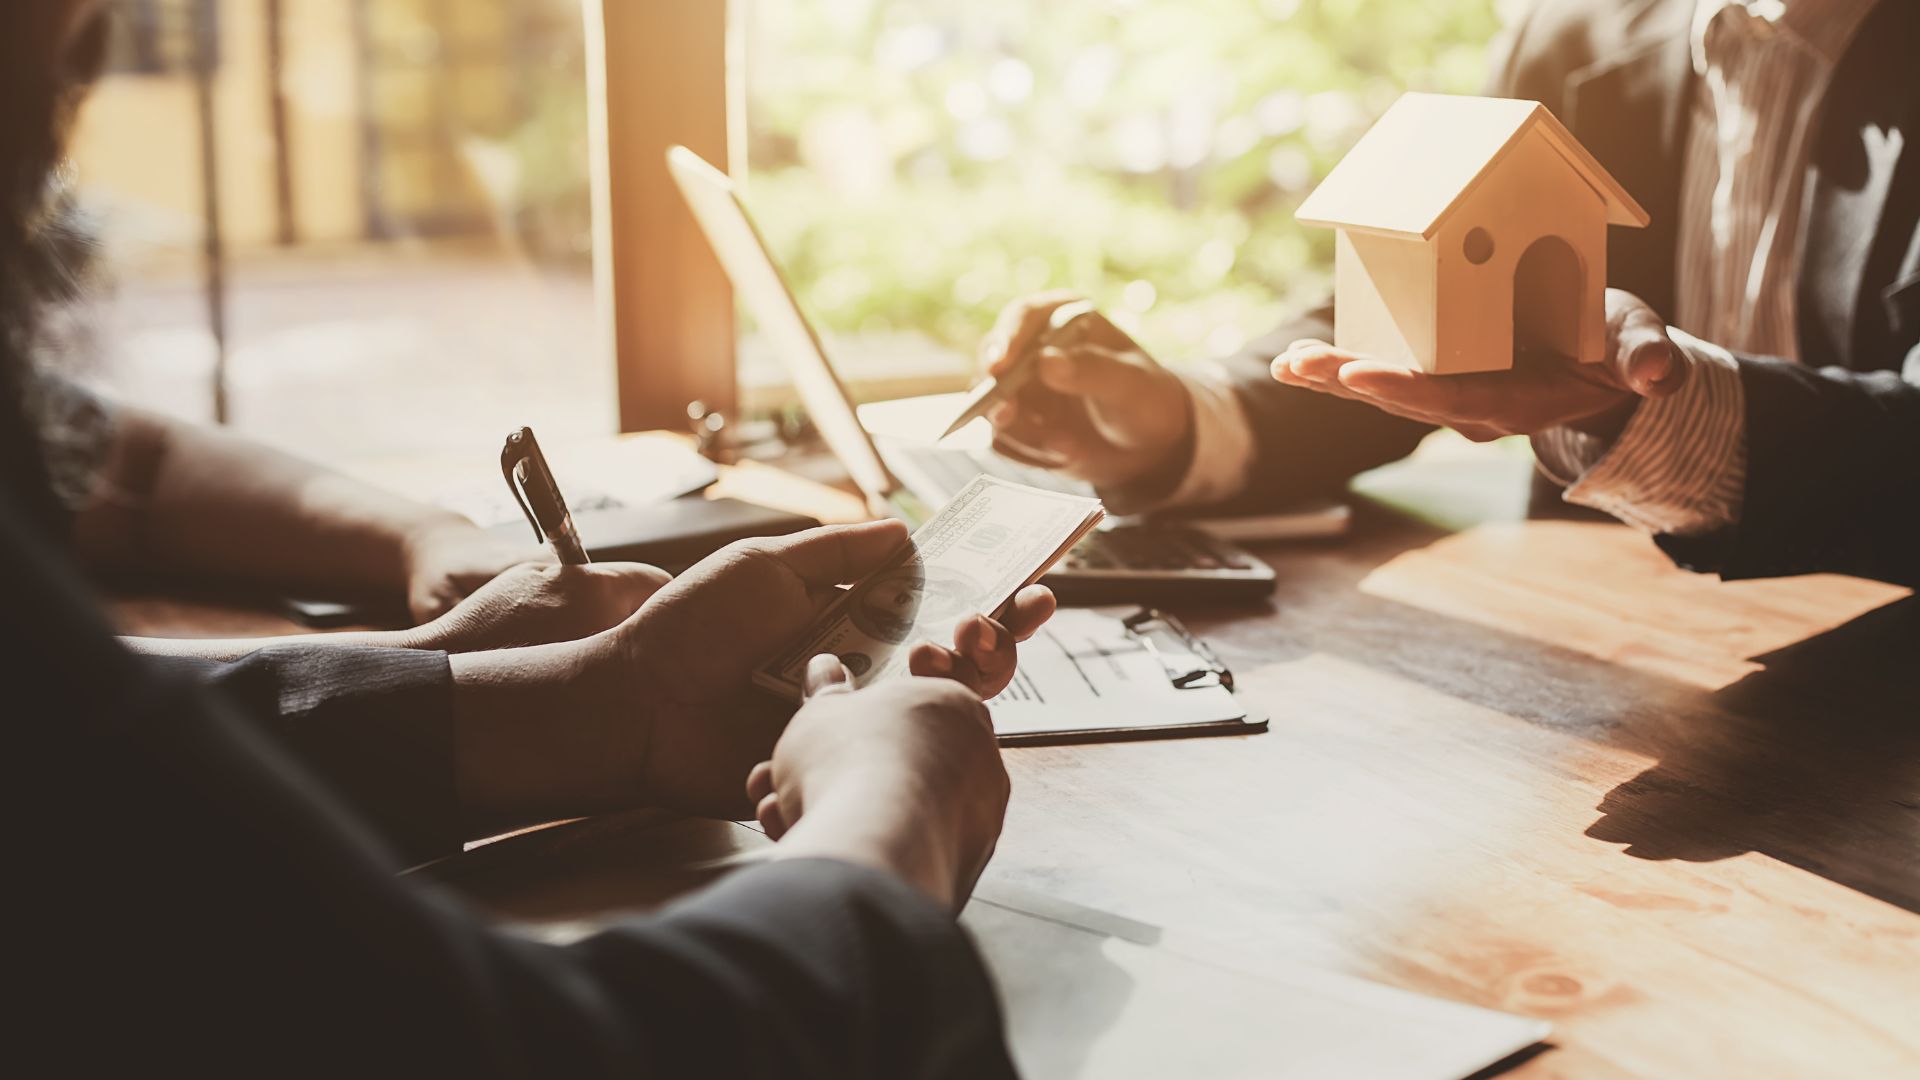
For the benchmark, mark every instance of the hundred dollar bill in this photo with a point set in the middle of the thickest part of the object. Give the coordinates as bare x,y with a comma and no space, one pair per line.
991,541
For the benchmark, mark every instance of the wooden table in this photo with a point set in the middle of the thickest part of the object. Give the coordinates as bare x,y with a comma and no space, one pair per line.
1520,763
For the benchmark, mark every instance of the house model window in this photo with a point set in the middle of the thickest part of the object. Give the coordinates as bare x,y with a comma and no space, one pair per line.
1469,228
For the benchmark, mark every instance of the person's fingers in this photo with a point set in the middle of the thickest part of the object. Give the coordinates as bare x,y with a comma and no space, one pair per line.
1313,364
930,661
837,554
1029,610
989,648
1051,430
1479,433
1027,426
760,781
1009,447
1646,360
1392,387
1019,323
1285,371
1483,405
1093,371
977,635
825,674
767,812
1317,360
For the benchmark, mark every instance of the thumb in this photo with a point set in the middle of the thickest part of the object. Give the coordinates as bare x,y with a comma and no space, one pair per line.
1646,360
826,674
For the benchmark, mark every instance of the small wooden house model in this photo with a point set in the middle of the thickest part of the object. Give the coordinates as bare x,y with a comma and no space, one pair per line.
1469,227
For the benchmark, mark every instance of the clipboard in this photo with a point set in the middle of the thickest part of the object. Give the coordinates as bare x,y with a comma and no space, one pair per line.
1111,674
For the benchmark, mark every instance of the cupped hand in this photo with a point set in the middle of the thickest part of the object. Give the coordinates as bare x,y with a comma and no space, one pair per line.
1542,390
904,775
686,659
450,559
543,602
1100,409
688,655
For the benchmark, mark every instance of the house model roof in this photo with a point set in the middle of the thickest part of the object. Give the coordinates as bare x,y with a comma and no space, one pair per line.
1420,159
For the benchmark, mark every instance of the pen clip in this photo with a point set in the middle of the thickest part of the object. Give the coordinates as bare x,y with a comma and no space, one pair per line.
512,455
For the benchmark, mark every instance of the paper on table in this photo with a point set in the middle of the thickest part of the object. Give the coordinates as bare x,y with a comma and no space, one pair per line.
1089,994
637,470
1084,672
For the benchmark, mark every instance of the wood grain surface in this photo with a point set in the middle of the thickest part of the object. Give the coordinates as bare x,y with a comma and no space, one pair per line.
1525,764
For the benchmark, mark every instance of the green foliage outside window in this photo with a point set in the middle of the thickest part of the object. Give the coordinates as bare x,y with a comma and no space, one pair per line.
917,163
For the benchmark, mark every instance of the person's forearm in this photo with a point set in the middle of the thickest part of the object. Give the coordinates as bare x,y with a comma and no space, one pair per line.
545,733
185,500
900,843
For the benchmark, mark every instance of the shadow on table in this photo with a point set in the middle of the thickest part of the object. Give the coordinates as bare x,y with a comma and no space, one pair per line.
1814,761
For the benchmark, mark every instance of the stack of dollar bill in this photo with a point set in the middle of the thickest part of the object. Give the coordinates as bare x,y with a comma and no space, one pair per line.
992,540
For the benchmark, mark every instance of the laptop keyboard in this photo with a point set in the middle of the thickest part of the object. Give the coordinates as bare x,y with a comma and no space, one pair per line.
1153,549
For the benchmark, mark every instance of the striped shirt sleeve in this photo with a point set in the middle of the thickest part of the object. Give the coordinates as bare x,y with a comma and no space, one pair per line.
1679,467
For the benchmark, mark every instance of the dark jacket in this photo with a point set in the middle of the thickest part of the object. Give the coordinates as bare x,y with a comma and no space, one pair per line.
204,882
1833,445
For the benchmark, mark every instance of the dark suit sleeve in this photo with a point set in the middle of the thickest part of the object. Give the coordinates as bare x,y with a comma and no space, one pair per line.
199,898
1833,478
374,725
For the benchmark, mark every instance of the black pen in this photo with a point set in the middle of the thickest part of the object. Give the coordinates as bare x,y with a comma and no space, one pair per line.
525,468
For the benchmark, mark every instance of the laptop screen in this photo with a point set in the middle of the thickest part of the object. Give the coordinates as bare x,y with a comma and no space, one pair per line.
744,255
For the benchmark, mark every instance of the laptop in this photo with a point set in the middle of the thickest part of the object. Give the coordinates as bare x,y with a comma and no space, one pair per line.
911,478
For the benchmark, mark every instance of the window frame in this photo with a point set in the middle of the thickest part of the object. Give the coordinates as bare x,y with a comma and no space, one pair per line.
657,76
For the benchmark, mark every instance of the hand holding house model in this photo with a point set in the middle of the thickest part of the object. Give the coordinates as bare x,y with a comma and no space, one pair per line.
1469,228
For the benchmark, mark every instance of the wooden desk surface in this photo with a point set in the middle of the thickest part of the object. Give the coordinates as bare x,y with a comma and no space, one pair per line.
1522,764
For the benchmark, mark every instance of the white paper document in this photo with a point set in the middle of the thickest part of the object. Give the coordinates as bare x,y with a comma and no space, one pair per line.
1088,994
1084,671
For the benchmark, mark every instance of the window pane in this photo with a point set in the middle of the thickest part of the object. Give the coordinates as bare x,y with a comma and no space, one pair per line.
407,251
917,163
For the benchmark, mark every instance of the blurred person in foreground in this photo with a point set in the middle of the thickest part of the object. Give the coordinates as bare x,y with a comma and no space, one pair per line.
210,852
1759,409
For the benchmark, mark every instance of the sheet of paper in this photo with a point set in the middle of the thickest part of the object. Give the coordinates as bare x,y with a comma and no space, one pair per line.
1084,672
635,471
989,541
1089,994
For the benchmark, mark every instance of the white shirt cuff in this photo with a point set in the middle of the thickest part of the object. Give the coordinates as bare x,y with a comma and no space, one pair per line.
1680,465
1222,440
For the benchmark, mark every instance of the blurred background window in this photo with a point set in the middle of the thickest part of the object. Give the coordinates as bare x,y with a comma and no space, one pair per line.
370,221
402,212
917,163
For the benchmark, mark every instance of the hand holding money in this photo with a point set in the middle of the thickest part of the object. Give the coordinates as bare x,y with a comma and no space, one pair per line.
973,558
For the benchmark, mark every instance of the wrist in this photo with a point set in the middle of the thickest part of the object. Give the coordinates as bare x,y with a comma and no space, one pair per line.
880,826
545,733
